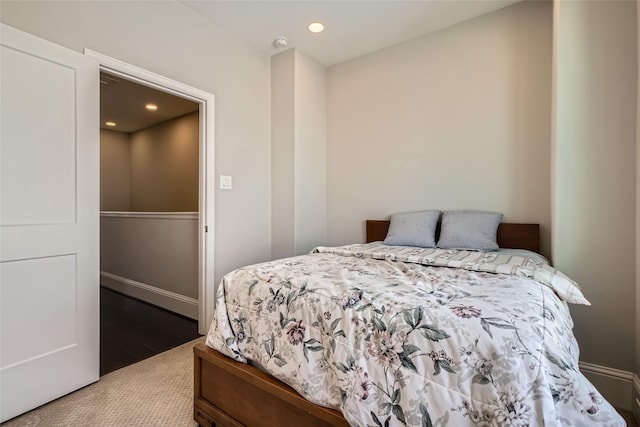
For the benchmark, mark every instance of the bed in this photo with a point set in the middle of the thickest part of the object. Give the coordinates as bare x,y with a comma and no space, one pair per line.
447,351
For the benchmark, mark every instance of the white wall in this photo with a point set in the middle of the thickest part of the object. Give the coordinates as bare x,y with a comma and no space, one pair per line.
299,159
454,119
283,154
153,257
310,153
477,93
171,40
594,172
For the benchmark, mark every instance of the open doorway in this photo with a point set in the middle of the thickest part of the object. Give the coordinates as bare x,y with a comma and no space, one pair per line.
149,203
206,150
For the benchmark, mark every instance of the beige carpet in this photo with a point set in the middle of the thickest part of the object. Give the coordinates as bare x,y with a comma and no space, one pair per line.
155,392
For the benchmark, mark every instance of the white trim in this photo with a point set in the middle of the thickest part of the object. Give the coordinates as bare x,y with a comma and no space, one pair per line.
152,294
614,384
148,78
604,370
206,227
149,215
635,398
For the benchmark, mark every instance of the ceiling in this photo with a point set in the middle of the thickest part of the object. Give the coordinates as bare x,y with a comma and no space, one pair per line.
123,102
352,27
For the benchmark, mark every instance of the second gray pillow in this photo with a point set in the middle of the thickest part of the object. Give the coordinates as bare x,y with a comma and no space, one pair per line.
475,230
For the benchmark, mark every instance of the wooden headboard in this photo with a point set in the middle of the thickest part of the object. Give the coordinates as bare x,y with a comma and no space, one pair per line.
510,235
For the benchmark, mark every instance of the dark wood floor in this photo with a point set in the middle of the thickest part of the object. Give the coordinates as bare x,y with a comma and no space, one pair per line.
132,330
628,417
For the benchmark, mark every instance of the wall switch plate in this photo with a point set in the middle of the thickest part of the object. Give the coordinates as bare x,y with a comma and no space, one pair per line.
226,182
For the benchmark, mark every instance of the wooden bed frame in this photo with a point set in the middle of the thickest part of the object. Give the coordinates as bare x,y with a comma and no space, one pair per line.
519,236
230,393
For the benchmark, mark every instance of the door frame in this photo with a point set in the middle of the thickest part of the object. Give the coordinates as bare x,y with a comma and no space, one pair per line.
206,260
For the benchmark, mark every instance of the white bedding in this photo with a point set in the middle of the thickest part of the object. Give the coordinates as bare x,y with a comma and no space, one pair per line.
373,331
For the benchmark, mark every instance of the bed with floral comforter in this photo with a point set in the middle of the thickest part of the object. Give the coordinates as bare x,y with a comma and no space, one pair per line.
419,337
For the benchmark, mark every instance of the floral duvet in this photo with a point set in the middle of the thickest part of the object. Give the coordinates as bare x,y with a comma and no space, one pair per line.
396,336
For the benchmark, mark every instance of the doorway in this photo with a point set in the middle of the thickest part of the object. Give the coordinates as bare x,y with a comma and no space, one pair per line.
199,306
149,169
206,113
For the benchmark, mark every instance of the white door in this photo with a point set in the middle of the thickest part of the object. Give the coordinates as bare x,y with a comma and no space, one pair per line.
49,222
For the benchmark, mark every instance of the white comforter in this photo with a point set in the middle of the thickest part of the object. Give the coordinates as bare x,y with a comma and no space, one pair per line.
418,337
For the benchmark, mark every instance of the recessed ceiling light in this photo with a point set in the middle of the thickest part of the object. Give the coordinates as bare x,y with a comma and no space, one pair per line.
112,124
151,107
316,27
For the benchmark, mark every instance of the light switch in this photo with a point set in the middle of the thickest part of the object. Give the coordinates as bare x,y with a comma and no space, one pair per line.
225,182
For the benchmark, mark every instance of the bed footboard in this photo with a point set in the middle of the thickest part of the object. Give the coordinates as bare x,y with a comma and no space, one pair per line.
229,393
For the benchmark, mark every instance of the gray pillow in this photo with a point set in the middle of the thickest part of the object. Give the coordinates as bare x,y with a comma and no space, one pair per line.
413,229
475,230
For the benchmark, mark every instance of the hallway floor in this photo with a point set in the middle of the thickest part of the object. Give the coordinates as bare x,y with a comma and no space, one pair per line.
132,330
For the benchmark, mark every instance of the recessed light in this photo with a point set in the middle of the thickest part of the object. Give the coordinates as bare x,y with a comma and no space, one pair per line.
316,27
112,124
151,107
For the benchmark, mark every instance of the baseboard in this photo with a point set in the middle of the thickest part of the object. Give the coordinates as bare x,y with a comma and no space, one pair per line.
177,303
614,384
635,399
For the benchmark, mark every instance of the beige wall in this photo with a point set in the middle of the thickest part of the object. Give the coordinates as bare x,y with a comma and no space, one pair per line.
298,157
115,162
635,395
164,166
171,40
151,170
637,260
594,171
454,119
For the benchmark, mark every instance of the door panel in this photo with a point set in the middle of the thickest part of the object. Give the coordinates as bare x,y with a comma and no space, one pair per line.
49,222
39,120
23,281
